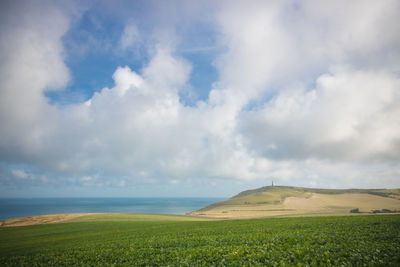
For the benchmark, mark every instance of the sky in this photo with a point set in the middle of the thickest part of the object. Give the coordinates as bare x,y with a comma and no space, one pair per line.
197,98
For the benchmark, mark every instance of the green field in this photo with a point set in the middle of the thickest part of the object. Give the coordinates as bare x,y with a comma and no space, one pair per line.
140,240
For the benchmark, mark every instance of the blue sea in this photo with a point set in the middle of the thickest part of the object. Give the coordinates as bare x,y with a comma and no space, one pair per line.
21,207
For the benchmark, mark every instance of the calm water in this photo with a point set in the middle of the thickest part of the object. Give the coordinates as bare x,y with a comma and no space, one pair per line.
19,207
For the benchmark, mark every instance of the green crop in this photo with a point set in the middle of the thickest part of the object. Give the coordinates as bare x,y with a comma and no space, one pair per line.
318,241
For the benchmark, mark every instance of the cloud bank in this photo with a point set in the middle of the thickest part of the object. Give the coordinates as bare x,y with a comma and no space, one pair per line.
308,93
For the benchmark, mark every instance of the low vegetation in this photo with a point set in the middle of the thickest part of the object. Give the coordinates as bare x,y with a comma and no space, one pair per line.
148,240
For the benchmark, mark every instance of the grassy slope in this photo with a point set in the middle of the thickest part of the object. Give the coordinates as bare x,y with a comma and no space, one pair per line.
283,201
121,241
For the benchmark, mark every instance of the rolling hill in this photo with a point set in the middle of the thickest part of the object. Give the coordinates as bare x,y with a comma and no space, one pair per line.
293,201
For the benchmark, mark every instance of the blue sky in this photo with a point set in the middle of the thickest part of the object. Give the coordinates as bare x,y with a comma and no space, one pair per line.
93,52
197,98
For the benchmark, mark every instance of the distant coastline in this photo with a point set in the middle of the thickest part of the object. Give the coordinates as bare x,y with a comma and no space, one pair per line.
23,207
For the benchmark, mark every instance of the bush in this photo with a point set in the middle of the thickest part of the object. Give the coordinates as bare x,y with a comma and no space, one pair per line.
356,210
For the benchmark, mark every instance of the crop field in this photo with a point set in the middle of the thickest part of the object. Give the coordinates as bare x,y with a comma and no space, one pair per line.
270,201
362,240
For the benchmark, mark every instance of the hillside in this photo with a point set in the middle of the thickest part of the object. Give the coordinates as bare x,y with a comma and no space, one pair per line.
288,201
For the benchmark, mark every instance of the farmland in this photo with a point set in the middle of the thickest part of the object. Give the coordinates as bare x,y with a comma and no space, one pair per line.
272,201
121,240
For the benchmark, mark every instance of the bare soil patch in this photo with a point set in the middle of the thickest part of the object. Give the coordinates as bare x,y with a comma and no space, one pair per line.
41,219
309,204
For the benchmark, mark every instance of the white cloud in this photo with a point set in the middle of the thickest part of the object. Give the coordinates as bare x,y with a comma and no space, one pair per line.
308,94
350,115
31,62
126,79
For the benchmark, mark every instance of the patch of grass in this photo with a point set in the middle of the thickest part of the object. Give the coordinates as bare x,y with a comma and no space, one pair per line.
135,217
351,240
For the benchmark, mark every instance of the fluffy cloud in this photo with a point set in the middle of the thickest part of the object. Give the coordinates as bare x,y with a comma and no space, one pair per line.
140,129
349,115
31,62
308,93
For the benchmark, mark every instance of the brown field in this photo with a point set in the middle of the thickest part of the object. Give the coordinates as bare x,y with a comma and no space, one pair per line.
42,219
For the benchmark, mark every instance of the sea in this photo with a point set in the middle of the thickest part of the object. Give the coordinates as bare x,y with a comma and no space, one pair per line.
22,207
